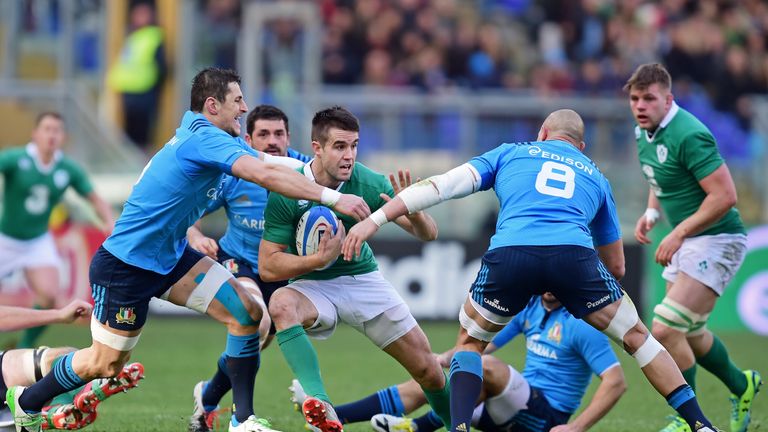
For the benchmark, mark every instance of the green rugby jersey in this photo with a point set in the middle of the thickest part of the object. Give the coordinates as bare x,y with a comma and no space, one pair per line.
282,215
680,154
33,190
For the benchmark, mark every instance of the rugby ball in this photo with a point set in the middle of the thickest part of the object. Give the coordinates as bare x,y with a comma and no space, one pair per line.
311,227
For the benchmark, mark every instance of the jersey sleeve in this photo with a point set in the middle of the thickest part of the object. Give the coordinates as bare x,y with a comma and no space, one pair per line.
594,347
299,156
510,331
79,179
225,189
699,154
605,226
212,151
487,164
278,220
8,159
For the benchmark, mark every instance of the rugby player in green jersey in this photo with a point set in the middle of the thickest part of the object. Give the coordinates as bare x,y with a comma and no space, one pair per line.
36,177
690,182
351,291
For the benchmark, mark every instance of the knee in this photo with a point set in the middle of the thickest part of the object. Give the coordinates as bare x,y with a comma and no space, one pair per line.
635,338
493,368
665,334
282,308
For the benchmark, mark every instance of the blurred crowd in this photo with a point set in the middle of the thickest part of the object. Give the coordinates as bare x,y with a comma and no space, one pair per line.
549,46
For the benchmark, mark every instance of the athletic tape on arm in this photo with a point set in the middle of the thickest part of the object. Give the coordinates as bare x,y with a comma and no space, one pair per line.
456,183
283,160
114,341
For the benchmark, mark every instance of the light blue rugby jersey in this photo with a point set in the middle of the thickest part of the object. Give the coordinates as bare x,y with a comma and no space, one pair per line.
550,194
172,193
244,203
563,353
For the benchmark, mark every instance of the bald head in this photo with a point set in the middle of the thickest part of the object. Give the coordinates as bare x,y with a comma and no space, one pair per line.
564,124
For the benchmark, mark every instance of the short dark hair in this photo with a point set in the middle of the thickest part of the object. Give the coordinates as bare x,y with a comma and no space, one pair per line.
53,114
335,116
264,112
648,74
211,82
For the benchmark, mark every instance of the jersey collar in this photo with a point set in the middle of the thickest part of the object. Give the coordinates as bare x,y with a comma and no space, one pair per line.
310,175
664,122
35,155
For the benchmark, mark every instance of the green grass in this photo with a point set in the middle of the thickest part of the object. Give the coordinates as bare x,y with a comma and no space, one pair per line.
179,352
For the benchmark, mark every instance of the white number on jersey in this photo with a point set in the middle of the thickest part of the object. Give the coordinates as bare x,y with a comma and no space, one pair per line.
556,172
37,202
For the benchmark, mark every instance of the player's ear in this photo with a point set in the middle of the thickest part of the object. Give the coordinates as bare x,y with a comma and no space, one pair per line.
582,145
542,134
316,146
211,105
249,140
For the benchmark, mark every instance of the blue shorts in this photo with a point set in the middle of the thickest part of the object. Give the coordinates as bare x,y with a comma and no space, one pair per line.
538,417
121,292
240,268
510,275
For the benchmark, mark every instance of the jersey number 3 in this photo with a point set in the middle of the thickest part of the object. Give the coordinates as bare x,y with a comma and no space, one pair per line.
37,202
556,179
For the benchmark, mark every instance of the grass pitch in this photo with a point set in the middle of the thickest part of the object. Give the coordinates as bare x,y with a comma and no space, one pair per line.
178,352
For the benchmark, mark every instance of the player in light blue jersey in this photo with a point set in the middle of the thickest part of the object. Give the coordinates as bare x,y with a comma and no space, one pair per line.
147,254
238,250
555,204
563,353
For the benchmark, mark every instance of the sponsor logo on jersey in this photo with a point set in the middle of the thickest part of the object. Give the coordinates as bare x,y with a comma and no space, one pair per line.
495,304
596,303
662,152
257,224
61,179
231,265
555,333
539,349
302,204
537,151
126,315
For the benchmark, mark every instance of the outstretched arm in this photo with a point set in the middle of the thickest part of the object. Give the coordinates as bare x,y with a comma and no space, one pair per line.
292,184
419,224
17,318
608,393
103,210
456,183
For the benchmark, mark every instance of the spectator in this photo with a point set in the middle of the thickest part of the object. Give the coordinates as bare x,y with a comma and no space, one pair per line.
138,74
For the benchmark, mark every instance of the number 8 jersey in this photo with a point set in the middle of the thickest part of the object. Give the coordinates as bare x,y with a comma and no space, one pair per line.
32,190
550,194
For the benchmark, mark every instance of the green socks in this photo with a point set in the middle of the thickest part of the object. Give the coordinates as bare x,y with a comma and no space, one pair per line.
302,359
690,377
440,401
720,365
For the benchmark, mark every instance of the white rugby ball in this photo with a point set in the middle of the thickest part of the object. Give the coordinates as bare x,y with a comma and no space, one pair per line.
314,223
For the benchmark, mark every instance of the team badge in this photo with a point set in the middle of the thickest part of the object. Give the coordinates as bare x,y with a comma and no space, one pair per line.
25,164
231,266
61,179
662,152
302,204
555,333
126,315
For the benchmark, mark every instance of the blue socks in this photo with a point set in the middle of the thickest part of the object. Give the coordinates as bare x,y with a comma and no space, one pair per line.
61,379
429,422
684,402
385,401
242,364
466,382
217,386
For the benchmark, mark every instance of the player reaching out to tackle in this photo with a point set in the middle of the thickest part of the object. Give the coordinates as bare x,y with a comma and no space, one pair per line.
148,256
351,291
552,197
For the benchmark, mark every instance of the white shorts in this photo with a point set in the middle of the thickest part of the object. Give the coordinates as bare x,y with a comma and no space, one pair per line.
357,300
20,254
710,259
502,407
